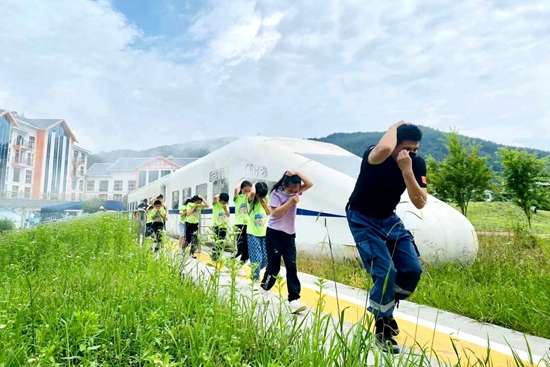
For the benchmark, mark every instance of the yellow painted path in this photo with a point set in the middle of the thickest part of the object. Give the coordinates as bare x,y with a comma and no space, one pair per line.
417,334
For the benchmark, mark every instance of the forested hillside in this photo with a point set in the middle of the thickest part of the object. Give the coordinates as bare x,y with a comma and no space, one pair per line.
193,149
433,143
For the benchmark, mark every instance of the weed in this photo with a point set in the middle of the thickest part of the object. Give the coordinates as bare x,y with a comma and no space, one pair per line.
83,293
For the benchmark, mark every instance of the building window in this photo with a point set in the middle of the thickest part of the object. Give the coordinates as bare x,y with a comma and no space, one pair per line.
153,176
5,136
118,185
31,142
80,185
117,197
202,190
220,186
81,170
28,194
28,177
142,178
186,194
16,175
104,185
57,158
131,185
165,173
102,197
90,185
75,182
15,189
175,200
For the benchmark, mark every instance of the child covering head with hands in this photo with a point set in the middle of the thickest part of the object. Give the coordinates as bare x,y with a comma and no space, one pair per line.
281,234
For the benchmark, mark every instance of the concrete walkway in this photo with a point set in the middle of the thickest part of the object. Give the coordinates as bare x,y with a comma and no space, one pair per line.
454,339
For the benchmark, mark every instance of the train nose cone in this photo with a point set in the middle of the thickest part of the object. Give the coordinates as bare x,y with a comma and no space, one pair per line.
441,233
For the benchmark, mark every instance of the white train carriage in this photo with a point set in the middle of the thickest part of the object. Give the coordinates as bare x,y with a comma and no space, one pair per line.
440,231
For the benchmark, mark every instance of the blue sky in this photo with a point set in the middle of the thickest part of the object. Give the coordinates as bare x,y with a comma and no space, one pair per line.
142,73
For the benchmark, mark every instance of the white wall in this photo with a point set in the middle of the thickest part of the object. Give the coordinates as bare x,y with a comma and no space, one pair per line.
123,176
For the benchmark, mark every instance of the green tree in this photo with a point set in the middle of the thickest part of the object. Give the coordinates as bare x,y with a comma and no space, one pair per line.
91,205
461,174
523,174
6,225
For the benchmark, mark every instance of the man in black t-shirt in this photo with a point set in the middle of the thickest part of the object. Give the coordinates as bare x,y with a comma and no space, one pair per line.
386,248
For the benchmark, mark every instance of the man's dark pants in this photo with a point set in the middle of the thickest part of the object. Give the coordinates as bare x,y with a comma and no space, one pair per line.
395,274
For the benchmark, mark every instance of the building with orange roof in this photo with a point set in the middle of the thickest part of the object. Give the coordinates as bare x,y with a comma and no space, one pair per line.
39,159
113,181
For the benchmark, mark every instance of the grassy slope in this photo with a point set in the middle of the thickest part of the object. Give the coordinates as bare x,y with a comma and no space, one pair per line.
82,293
498,217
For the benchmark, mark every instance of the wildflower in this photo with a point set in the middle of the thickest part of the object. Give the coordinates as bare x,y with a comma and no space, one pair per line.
158,361
2,326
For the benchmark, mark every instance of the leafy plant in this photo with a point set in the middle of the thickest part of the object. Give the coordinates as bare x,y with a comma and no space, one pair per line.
91,205
6,225
461,175
524,175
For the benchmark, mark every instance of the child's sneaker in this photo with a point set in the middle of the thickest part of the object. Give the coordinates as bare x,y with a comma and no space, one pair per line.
296,306
241,273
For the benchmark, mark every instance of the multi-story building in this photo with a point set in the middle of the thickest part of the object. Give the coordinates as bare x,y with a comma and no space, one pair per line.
112,181
37,158
78,173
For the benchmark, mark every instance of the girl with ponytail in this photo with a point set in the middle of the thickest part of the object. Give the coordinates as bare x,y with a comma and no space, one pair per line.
258,213
281,235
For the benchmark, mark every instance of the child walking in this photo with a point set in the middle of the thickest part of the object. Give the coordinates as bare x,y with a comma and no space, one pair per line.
259,210
181,223
240,198
194,209
157,216
281,235
220,215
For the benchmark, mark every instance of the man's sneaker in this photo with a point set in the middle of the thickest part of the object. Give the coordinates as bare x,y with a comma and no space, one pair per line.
392,325
241,273
193,256
384,338
296,306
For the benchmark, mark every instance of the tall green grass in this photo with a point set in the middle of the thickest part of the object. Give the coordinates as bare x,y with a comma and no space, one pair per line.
508,284
83,293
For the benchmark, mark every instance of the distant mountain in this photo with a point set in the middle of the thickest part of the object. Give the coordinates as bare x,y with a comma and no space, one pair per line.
433,144
194,149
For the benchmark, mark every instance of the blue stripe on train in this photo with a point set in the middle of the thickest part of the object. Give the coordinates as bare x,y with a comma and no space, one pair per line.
304,212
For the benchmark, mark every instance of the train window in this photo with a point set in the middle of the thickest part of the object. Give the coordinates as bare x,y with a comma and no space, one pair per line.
186,194
202,190
175,199
220,186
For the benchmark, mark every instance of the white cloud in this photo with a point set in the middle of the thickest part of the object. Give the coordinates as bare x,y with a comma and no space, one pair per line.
285,67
